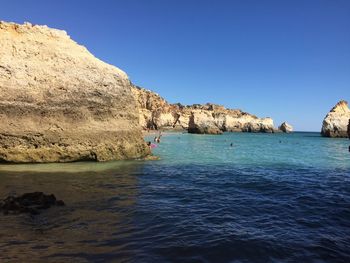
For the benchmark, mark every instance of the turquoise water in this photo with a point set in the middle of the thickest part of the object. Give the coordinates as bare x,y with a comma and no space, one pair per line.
300,149
268,198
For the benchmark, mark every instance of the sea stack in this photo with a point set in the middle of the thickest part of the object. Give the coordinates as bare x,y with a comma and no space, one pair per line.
286,127
58,103
335,124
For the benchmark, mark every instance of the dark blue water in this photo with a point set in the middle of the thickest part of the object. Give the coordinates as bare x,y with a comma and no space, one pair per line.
216,207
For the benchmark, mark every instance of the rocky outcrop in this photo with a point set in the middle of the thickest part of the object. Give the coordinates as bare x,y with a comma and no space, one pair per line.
157,113
202,122
285,127
336,121
58,103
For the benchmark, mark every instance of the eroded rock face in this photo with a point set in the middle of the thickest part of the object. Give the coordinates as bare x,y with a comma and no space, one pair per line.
286,127
58,103
202,122
336,121
157,113
154,111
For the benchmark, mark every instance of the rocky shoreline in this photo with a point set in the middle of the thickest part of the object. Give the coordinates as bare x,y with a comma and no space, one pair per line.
155,113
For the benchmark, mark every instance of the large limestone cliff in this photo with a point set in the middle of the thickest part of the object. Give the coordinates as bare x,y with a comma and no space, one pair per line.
58,103
156,113
336,121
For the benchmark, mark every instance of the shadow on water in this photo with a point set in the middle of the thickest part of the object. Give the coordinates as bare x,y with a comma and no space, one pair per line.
99,199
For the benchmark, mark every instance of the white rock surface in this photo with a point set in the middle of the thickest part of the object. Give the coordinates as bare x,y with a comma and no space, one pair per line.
335,124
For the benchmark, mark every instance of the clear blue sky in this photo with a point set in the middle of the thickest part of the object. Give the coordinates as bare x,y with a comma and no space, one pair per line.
289,60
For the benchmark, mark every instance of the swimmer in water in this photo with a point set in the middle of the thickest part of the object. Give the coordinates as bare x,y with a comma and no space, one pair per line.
157,139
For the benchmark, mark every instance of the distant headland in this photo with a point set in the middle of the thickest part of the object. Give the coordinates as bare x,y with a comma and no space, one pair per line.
156,113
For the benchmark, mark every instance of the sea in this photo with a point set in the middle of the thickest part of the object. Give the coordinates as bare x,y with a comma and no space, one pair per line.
236,197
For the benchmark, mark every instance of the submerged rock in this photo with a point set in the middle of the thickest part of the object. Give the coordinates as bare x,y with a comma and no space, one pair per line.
156,113
335,124
286,127
58,103
29,203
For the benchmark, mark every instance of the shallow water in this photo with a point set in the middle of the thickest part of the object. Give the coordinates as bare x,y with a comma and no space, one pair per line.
269,198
